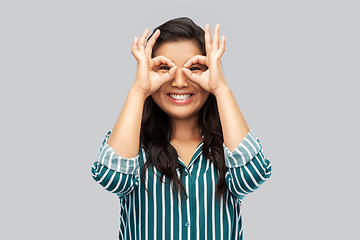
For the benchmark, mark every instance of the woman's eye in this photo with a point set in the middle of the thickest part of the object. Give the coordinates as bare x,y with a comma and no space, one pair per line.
164,68
194,68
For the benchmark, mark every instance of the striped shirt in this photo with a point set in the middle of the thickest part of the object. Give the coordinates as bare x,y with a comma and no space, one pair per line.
160,214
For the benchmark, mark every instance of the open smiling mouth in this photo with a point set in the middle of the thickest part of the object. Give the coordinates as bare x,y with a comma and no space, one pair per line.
180,97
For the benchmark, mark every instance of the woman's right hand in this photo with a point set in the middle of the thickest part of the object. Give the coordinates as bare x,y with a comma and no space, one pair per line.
147,79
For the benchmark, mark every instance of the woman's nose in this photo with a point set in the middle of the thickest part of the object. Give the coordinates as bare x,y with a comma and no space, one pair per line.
180,79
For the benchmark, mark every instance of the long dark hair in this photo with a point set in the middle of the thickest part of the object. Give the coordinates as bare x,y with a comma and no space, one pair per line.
156,128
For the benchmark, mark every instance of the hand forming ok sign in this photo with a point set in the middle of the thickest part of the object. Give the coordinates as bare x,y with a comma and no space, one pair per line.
212,80
147,80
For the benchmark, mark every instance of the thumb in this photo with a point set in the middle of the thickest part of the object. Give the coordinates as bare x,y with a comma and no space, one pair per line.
190,75
170,74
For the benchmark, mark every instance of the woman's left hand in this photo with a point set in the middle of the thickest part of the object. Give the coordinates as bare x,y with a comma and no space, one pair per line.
211,80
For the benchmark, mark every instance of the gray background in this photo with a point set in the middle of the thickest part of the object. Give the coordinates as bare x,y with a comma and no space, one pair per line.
66,67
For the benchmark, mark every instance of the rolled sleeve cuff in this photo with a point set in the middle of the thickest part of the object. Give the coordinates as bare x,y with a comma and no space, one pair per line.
109,158
248,148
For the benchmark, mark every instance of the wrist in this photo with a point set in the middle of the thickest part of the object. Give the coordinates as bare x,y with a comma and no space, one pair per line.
138,93
221,91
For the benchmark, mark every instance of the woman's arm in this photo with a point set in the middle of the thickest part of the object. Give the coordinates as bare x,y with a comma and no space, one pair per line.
248,168
233,124
213,80
125,136
117,166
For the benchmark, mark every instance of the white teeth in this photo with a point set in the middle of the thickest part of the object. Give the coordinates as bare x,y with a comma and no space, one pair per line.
180,97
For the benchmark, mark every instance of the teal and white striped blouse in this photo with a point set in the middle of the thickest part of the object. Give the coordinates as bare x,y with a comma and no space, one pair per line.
162,215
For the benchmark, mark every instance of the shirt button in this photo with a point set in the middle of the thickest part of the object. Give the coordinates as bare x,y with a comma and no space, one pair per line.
187,224
186,196
186,173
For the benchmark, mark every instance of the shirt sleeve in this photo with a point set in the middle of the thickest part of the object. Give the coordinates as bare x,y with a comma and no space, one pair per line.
114,173
247,167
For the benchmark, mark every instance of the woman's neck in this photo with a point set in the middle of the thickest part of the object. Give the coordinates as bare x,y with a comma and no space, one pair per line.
186,129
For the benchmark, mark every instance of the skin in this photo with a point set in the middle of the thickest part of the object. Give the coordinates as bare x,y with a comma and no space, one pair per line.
174,71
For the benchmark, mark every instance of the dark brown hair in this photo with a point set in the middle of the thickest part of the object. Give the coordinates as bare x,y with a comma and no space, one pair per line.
156,129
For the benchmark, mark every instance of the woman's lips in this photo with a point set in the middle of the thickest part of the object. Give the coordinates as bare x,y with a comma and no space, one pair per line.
178,98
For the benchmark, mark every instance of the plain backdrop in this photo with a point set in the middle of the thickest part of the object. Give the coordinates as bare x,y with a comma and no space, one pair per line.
65,70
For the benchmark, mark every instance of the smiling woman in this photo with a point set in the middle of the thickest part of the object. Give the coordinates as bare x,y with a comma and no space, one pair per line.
180,156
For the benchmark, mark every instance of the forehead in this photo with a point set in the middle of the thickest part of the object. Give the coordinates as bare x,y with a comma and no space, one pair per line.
179,51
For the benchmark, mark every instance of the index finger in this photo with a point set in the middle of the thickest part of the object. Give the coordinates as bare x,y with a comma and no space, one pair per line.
163,60
196,59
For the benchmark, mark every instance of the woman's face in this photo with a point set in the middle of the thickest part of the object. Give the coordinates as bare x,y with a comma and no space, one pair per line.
180,98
